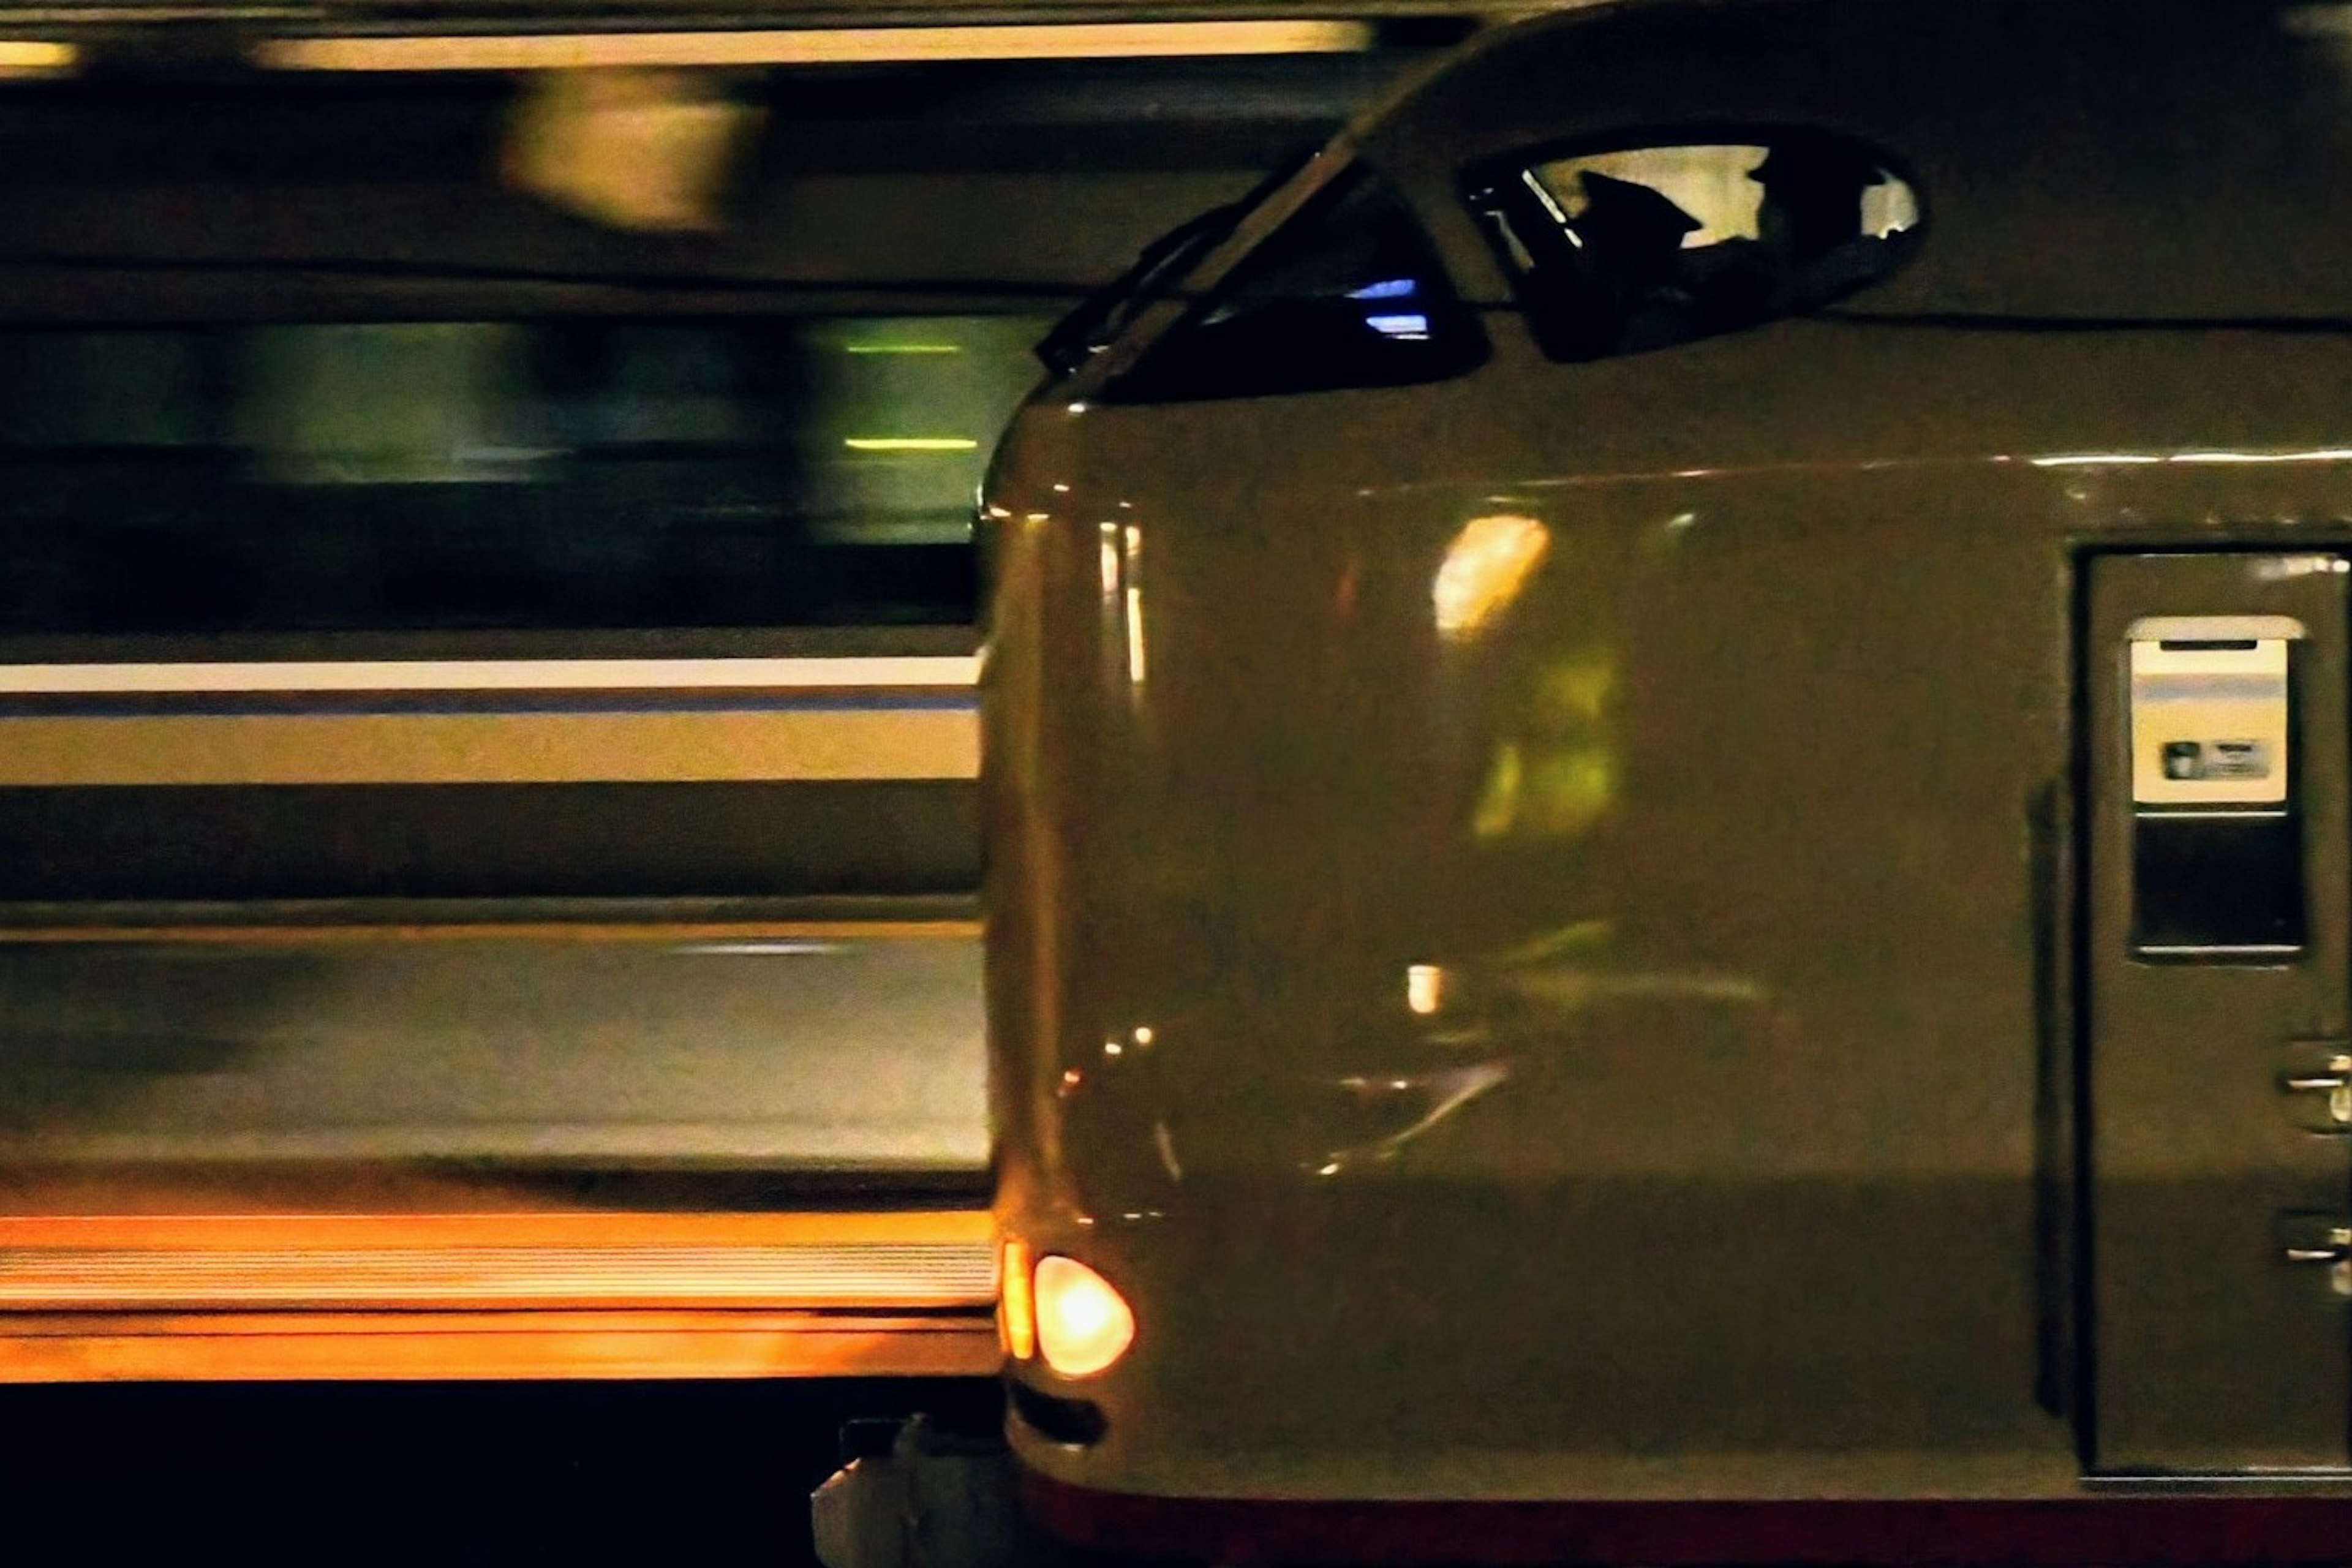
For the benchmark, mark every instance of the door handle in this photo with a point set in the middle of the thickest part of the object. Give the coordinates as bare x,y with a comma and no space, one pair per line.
2331,1077
2319,1240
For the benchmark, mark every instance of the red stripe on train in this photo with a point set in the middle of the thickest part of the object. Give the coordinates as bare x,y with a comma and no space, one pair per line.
2112,1531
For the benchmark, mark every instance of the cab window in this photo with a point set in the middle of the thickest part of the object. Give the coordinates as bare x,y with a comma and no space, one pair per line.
1631,249
1347,294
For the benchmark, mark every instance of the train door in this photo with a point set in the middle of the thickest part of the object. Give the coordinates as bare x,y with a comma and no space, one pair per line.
2220,1050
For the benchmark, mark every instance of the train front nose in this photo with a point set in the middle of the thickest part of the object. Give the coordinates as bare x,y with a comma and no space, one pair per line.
1305,996
1218,993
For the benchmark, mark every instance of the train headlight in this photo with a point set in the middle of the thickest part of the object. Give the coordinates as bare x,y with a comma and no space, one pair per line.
1083,1324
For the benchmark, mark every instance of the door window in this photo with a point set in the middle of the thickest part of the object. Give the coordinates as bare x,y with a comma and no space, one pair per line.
1632,248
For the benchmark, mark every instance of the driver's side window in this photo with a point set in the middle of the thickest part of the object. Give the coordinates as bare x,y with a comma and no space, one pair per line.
1626,248
1347,294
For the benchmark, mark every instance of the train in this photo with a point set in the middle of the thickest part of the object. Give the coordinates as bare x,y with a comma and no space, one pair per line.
1669,812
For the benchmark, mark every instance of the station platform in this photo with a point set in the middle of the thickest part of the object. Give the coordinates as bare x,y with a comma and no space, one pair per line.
566,1148
513,1295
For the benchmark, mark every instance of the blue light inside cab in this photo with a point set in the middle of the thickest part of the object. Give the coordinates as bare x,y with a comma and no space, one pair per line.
1408,327
1390,288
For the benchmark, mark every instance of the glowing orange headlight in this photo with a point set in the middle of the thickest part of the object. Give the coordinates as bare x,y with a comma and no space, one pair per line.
1083,1324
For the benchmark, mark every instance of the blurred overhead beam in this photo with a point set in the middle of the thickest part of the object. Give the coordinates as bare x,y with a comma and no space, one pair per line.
809,45
532,35
444,16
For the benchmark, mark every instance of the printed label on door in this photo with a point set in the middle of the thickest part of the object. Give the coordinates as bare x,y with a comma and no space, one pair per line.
2240,758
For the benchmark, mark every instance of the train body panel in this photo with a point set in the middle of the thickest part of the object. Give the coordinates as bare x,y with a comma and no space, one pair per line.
1572,926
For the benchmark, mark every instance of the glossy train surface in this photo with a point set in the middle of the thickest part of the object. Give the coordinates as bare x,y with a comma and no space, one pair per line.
1572,917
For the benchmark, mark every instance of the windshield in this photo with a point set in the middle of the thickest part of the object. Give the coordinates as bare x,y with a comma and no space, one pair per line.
1104,313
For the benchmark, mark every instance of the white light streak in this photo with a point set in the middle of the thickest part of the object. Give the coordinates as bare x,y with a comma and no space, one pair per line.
486,675
2133,459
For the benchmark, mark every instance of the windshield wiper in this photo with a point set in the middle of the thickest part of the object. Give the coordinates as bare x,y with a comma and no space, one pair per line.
1104,313
1079,335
